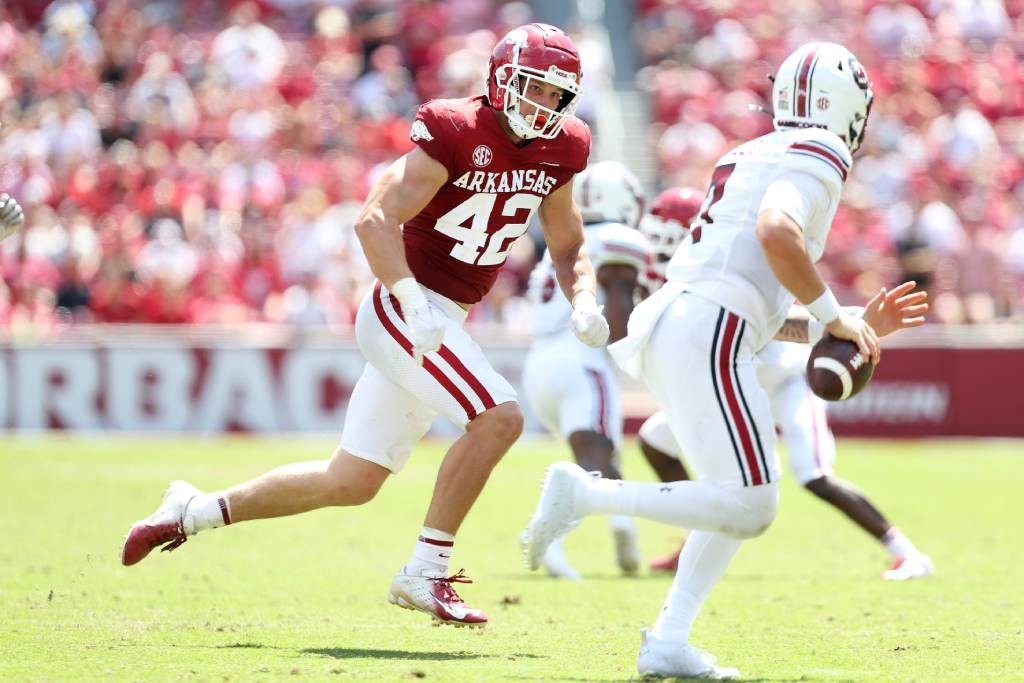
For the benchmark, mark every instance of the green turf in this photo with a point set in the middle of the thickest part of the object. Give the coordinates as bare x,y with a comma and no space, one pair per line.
303,598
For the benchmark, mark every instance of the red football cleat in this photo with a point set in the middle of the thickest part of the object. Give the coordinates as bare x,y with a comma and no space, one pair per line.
668,563
436,596
165,527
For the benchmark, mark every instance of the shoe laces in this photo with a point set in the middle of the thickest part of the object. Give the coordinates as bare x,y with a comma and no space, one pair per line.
179,538
447,590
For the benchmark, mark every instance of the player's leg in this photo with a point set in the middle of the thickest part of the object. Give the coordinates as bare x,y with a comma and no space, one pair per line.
292,489
458,382
811,445
699,369
574,393
658,446
546,387
660,449
591,419
705,380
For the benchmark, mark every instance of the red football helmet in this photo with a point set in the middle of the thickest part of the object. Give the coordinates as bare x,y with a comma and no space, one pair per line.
669,222
541,52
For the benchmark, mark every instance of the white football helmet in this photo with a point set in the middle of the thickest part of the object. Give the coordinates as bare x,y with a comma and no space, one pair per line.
608,191
823,85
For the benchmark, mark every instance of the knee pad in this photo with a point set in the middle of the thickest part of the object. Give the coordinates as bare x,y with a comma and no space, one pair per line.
758,505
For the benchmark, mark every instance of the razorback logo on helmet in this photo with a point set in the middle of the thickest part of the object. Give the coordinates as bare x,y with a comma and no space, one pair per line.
534,52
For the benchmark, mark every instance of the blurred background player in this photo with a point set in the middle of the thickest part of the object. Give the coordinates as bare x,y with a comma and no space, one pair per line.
570,387
489,161
750,255
11,216
799,415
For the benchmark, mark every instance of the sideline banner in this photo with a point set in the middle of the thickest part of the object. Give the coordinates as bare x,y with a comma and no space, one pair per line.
209,387
921,392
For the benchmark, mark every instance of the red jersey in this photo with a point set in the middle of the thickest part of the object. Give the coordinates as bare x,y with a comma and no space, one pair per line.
458,242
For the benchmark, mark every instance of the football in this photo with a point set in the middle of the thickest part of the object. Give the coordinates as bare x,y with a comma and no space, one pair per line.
836,369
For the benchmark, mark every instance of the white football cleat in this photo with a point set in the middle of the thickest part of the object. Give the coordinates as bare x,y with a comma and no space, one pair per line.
556,513
627,548
906,568
661,659
557,565
166,527
435,595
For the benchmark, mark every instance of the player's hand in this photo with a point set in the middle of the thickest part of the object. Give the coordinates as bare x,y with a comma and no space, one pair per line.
588,323
426,328
859,331
11,216
896,309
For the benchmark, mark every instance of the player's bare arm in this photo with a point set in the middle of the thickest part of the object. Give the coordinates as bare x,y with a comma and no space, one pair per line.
401,193
619,282
563,233
786,253
887,312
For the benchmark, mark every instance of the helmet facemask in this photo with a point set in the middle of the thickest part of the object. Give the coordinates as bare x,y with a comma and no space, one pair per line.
513,81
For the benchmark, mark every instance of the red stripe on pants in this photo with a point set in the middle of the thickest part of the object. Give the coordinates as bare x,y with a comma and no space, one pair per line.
481,392
724,368
396,334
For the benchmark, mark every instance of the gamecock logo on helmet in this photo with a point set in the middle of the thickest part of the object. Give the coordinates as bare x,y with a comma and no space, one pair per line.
482,155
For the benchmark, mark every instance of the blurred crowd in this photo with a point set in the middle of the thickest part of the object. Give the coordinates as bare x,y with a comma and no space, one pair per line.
937,190
203,161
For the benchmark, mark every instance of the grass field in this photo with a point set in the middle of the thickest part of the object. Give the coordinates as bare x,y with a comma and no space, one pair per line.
303,598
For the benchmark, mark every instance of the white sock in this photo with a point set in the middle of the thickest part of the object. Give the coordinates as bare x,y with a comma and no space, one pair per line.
611,496
688,504
207,511
431,554
898,545
704,559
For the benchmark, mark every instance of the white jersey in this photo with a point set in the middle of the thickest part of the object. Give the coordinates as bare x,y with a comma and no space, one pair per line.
606,243
723,260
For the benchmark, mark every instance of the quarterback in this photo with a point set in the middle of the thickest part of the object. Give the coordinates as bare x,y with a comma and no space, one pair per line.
436,228
750,255
799,414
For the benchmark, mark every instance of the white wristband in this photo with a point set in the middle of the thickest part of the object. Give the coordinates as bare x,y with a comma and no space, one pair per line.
409,293
584,299
825,308
815,331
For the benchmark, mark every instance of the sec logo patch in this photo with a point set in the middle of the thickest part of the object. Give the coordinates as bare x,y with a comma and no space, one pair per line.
482,155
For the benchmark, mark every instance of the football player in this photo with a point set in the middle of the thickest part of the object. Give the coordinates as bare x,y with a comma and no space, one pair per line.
11,216
569,386
750,254
436,228
799,414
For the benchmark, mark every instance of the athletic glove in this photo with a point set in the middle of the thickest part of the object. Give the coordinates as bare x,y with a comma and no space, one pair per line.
11,216
426,323
588,323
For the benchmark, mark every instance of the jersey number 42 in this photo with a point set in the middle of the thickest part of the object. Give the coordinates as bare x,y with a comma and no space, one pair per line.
471,241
